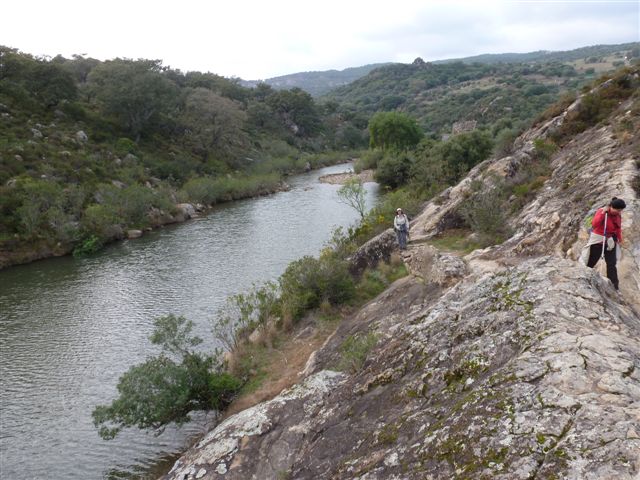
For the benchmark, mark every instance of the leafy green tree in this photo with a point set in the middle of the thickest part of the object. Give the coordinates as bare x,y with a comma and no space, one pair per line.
297,111
464,151
215,124
352,193
347,135
27,79
394,169
51,83
225,87
393,130
133,91
262,118
164,390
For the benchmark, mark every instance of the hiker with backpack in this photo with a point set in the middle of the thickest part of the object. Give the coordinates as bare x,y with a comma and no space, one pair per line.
605,238
401,226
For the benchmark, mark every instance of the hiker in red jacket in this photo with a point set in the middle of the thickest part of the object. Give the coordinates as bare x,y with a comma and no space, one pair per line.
607,232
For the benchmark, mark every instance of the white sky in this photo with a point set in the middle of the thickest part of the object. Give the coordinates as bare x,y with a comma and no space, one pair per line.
259,39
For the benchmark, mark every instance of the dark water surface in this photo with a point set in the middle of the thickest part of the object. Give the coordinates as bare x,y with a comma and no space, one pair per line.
70,327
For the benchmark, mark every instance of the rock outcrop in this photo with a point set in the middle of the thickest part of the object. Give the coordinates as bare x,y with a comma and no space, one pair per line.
512,362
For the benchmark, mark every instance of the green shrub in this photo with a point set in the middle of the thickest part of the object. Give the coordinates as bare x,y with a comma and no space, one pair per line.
368,160
209,191
504,142
544,149
88,246
596,105
394,169
124,146
245,312
98,221
485,211
164,390
354,351
373,282
307,282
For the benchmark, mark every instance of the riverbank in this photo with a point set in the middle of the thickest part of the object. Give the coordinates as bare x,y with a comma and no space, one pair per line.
42,249
15,252
364,176
284,353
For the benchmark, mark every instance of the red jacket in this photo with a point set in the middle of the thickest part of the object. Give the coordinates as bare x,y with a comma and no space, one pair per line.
614,224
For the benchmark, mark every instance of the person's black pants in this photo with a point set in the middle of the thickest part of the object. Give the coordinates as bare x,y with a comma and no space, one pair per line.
609,258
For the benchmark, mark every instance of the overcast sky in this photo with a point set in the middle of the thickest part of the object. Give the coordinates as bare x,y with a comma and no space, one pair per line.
259,39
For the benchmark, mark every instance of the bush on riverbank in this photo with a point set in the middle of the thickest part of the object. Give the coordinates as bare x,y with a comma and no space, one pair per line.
212,190
166,388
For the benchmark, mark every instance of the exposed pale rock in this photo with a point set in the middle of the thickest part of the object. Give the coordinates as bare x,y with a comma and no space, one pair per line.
372,252
513,362
81,137
185,211
248,434
134,233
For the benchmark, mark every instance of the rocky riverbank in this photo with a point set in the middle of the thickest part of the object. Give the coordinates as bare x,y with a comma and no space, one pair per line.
18,253
511,362
342,178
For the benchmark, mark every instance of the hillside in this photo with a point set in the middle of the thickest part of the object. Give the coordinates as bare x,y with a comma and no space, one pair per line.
596,53
91,150
510,362
316,83
493,94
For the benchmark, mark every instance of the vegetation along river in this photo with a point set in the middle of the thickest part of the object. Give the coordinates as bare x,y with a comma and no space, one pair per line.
69,327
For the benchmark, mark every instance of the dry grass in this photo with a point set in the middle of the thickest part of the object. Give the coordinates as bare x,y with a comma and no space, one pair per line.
600,67
281,363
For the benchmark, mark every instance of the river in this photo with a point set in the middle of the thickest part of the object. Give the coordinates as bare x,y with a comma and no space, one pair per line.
69,327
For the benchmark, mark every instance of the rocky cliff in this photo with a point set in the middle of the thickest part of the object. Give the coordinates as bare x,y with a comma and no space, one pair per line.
512,362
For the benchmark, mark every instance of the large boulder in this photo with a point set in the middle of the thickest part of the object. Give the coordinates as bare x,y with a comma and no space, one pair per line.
185,211
372,252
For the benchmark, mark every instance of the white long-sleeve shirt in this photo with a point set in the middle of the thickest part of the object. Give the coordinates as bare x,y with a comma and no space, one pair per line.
400,220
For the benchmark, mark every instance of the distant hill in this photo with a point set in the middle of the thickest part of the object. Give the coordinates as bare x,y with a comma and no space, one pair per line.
483,90
597,51
319,83
316,83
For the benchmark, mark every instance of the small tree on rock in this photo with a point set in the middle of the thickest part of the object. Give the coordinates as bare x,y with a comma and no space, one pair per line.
352,193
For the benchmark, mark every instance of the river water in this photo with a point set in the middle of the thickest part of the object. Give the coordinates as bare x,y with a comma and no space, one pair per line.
70,327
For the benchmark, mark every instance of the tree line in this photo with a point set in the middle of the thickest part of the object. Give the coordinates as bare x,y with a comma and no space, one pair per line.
91,148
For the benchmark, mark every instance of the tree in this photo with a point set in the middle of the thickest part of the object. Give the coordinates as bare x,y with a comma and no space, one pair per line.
214,124
161,390
464,151
51,83
296,110
134,91
352,193
393,130
394,169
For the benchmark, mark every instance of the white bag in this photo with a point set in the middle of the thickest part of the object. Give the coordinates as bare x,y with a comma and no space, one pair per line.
584,255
